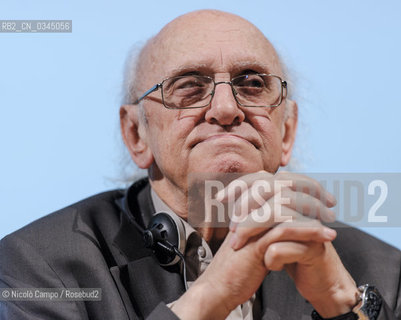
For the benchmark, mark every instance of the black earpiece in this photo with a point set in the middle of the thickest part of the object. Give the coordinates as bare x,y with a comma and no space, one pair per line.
164,236
165,233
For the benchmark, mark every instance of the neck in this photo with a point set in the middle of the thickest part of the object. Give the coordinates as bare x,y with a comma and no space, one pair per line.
171,194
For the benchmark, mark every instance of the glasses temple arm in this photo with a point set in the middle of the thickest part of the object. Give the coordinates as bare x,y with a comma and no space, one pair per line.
284,88
153,89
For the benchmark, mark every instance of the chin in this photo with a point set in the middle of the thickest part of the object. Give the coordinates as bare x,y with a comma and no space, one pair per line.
230,167
220,165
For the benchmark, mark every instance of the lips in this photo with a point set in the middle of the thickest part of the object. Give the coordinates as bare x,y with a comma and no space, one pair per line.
227,136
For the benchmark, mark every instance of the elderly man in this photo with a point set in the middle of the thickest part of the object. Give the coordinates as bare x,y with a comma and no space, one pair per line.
207,96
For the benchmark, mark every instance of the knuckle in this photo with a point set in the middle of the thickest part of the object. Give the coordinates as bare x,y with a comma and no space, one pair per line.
241,233
280,231
273,251
271,259
284,232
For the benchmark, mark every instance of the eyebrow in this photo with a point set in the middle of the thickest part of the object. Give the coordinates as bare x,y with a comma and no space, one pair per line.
184,69
242,65
234,68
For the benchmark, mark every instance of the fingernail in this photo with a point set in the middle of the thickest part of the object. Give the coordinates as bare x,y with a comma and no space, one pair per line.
234,241
331,198
329,234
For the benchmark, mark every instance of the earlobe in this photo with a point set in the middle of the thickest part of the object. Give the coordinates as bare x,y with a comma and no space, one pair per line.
289,131
133,132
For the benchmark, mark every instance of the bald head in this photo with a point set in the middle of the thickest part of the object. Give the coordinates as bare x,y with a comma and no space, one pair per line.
187,37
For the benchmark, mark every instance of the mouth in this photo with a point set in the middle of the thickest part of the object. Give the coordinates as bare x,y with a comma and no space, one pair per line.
227,137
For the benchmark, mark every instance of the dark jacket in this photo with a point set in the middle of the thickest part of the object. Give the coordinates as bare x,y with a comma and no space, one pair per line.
92,244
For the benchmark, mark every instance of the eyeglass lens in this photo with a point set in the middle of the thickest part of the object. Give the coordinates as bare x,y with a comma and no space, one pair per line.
193,91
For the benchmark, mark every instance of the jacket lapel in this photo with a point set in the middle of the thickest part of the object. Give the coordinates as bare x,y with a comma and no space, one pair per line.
142,282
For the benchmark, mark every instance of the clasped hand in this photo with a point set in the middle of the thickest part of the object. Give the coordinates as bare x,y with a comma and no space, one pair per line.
284,231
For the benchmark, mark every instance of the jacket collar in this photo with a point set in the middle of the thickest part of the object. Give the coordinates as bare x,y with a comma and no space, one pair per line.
136,209
142,282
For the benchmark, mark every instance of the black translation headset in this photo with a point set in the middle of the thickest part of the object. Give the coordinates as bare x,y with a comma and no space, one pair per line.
164,235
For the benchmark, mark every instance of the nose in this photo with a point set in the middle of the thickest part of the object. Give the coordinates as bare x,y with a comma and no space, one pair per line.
223,109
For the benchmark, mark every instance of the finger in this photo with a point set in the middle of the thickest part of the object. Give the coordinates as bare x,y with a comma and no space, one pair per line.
293,227
275,211
311,231
254,198
305,204
296,182
280,254
307,185
259,221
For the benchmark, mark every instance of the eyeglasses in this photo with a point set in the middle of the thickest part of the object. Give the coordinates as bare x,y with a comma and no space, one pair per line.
194,91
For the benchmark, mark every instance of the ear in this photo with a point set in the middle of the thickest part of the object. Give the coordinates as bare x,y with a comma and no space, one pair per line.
134,135
289,131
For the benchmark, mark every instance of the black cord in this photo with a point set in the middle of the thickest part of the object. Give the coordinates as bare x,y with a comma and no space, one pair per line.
184,273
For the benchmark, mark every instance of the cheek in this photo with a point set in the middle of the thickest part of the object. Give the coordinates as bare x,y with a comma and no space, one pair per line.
269,127
270,132
169,138
272,139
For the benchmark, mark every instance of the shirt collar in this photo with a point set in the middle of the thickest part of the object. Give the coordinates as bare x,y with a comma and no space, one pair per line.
204,253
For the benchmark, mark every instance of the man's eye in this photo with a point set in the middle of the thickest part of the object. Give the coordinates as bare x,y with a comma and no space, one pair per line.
250,81
255,83
188,84
189,88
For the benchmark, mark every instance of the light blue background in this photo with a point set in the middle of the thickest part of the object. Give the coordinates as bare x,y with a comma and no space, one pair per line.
59,93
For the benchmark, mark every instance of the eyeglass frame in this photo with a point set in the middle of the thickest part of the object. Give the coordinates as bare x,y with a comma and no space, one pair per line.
157,86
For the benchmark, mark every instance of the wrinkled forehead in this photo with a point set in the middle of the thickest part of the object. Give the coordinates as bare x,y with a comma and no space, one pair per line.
209,42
